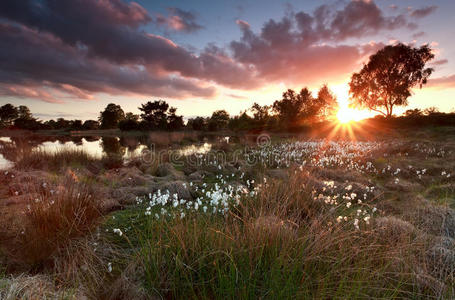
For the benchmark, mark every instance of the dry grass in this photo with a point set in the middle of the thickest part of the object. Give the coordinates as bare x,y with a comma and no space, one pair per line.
53,219
74,158
33,287
42,160
279,245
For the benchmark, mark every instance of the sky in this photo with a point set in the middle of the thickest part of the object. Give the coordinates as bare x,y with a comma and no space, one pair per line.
71,58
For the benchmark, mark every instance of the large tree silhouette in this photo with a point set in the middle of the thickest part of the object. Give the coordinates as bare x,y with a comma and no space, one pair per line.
154,114
291,108
111,116
8,113
158,115
387,79
294,109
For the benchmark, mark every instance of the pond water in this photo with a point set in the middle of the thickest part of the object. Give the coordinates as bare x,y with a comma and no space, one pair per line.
13,148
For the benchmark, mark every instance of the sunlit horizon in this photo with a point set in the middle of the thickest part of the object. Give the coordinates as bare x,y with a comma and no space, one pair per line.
346,113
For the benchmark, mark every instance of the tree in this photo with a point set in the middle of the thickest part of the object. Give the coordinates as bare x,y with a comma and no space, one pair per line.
154,114
387,79
431,111
90,125
76,124
131,122
25,119
174,122
28,123
131,117
62,123
413,113
219,120
240,122
260,114
24,112
111,116
158,115
51,124
198,123
326,104
291,108
8,113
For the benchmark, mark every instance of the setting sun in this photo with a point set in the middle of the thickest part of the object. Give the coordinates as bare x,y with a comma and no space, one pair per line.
346,114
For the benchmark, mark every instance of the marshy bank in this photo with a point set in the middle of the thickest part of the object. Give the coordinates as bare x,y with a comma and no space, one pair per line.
283,218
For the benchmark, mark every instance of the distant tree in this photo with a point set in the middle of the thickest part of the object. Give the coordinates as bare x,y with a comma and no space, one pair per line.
175,122
431,110
158,115
61,123
413,113
111,116
132,117
241,122
25,120
260,114
76,124
90,125
387,79
219,120
290,109
51,124
131,122
8,113
154,114
325,105
198,123
24,112
28,123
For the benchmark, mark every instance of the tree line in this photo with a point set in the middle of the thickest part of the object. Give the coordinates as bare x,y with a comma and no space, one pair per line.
385,82
291,112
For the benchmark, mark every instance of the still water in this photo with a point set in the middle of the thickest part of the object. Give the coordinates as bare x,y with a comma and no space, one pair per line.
13,148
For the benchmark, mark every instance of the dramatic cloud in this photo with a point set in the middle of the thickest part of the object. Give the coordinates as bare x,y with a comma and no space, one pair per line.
53,49
439,62
53,64
423,12
442,82
294,49
179,20
360,18
109,47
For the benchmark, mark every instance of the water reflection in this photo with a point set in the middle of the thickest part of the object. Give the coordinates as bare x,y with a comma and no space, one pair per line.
126,147
195,149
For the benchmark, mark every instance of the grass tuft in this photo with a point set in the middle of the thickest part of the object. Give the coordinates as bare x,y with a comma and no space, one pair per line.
51,221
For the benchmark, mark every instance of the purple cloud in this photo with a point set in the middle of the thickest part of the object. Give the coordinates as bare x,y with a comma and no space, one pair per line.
85,47
179,20
442,82
423,12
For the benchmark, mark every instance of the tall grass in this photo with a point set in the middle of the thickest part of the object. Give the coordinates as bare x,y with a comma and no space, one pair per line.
75,158
276,245
53,220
